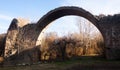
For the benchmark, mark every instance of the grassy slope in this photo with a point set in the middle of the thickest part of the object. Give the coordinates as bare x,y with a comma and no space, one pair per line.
84,63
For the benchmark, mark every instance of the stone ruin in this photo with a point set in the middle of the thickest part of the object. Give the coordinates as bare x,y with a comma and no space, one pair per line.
20,43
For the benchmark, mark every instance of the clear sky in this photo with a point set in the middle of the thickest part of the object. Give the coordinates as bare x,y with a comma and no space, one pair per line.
35,9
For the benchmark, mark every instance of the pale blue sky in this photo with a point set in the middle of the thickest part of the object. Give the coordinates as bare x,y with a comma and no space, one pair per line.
35,9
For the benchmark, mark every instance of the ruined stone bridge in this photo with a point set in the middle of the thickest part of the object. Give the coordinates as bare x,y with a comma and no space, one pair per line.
22,36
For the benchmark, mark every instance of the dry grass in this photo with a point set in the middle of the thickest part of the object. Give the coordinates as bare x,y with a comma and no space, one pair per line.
54,47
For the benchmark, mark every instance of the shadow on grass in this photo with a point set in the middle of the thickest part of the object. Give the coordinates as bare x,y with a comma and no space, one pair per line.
76,63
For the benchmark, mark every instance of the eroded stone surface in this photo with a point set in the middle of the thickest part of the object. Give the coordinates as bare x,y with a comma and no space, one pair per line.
12,34
28,56
110,26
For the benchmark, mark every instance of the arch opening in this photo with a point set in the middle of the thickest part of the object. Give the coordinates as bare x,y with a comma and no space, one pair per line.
66,11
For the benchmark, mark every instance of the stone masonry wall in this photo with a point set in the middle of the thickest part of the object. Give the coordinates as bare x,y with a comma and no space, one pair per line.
20,38
110,26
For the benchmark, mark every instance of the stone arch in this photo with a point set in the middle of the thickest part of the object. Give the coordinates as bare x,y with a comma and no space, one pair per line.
25,36
65,11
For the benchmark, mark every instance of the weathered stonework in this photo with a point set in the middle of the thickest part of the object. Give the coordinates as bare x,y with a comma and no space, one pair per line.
12,35
27,56
23,36
11,38
110,26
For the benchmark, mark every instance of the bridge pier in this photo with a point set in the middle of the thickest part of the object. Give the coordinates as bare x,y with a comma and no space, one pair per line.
110,26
